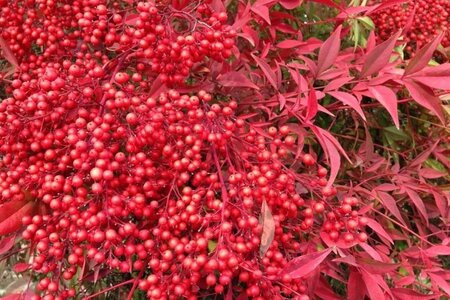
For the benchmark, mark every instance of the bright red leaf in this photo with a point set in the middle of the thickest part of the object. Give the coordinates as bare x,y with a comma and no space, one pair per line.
305,264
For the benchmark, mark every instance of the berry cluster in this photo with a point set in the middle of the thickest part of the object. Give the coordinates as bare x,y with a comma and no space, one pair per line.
167,186
430,18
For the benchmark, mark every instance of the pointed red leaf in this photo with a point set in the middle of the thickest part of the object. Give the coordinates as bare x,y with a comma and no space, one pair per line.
434,77
418,203
425,97
268,224
438,250
379,57
408,294
7,53
379,230
337,83
288,44
329,50
373,289
9,208
14,221
355,292
290,4
21,267
390,203
7,243
263,12
350,100
440,282
332,148
423,56
268,72
305,264
388,99
313,105
236,79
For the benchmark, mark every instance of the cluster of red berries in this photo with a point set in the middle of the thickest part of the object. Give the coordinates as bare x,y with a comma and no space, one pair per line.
151,32
166,186
430,18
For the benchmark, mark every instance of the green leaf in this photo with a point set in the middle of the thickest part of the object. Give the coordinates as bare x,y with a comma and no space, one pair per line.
212,245
367,22
395,134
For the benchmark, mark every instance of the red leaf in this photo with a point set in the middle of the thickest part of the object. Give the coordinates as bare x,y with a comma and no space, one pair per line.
7,243
408,294
441,203
350,100
313,105
379,57
14,221
21,267
418,203
437,250
290,4
9,208
371,251
263,12
390,203
332,148
328,51
388,99
7,53
288,44
268,72
236,79
268,224
434,77
355,292
423,56
441,282
337,83
16,296
425,97
379,229
328,3
373,289
305,264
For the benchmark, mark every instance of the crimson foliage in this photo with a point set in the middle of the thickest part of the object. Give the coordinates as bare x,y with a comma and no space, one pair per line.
191,149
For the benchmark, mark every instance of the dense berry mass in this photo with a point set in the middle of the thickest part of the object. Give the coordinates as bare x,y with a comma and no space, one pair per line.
122,168
424,19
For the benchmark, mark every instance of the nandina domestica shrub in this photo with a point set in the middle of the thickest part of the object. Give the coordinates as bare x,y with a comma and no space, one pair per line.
186,149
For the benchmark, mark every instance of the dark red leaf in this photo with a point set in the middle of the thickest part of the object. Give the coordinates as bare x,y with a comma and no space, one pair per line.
332,148
14,221
268,224
418,203
7,53
305,264
350,100
437,250
21,267
236,79
408,294
423,56
379,57
425,97
355,292
290,4
263,12
379,230
372,285
390,203
329,51
434,77
440,282
288,44
388,99
7,243
313,105
268,72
